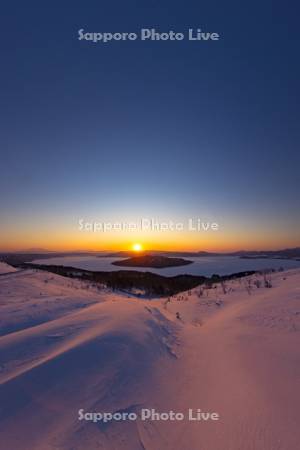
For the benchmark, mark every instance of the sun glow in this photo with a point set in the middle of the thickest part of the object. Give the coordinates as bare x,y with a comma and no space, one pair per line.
137,247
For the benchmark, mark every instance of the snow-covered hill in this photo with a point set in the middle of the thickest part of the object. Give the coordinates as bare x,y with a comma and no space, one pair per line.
68,346
5,268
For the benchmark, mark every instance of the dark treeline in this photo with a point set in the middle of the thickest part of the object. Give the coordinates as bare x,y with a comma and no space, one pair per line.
150,283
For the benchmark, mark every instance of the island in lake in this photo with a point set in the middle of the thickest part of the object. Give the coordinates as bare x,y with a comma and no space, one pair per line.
154,261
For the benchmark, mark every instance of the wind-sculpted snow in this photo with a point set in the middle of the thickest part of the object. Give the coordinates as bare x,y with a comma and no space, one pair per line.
229,349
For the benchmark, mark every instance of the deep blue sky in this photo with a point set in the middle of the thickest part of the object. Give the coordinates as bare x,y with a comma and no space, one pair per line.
169,129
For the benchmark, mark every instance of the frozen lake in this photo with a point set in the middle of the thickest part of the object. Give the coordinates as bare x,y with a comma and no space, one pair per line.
208,265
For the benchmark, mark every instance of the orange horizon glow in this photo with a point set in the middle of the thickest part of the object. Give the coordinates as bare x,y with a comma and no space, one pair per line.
62,238
220,243
63,235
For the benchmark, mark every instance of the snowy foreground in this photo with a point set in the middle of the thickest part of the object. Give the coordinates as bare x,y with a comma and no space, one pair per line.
69,350
5,268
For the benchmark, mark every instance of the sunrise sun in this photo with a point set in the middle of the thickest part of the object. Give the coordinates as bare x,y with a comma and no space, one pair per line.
137,247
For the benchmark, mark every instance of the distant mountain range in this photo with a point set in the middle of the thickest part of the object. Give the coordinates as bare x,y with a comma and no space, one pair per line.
39,253
290,253
35,250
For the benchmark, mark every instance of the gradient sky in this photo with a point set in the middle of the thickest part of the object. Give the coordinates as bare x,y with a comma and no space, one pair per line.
169,130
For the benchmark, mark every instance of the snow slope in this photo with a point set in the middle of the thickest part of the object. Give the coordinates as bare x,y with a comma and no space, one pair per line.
5,268
67,345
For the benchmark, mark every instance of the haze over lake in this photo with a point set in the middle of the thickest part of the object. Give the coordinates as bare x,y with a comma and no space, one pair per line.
221,265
